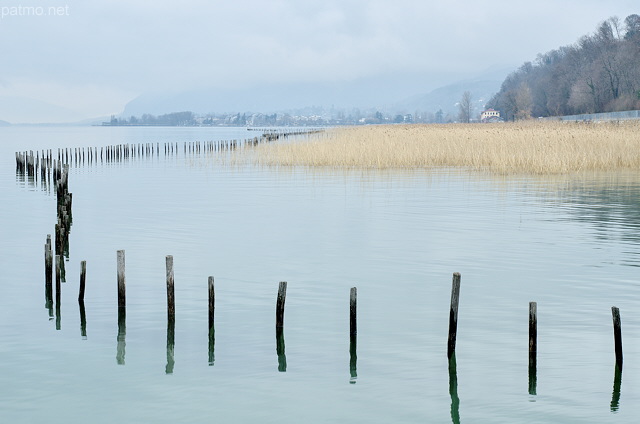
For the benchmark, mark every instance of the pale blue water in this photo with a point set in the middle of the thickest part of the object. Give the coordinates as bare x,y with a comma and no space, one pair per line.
396,235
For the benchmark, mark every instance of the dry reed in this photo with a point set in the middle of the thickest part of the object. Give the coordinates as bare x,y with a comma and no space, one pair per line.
529,147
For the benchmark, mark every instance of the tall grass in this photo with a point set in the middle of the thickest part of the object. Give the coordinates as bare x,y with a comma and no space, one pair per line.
531,147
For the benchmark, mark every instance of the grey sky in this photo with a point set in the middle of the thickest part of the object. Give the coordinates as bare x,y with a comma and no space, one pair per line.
93,56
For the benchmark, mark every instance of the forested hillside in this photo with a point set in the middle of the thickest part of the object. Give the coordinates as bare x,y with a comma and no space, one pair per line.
599,73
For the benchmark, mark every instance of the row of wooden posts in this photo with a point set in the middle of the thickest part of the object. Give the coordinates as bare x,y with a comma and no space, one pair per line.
122,304
280,302
40,164
62,229
533,335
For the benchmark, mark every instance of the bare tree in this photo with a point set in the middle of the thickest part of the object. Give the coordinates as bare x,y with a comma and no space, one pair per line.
465,107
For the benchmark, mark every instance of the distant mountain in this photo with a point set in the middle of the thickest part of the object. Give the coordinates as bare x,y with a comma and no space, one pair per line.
25,110
447,97
4,123
381,93
375,92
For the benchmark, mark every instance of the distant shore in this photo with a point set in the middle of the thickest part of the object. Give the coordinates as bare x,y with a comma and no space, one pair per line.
527,147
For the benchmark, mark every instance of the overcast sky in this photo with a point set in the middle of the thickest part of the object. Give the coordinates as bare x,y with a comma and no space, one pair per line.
93,56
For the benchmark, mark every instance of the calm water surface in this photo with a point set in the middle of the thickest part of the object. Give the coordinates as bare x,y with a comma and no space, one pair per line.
571,245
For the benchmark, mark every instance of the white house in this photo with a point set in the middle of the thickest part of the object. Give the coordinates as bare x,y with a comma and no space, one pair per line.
490,115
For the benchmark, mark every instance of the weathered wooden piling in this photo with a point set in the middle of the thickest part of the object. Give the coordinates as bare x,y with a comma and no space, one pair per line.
122,302
617,335
171,307
453,314
282,294
353,303
83,277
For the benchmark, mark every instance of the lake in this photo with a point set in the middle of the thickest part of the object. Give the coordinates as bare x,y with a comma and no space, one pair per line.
570,244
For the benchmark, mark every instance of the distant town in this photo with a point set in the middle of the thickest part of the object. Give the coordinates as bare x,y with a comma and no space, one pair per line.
315,118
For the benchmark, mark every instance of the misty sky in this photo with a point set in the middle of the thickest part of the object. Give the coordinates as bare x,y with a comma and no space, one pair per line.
93,56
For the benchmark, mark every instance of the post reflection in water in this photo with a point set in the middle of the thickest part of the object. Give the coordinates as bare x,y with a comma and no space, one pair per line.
533,371
282,358
122,333
615,396
58,313
83,320
212,345
453,390
353,358
48,303
171,342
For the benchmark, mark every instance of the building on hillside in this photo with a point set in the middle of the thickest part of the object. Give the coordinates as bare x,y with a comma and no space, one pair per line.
490,115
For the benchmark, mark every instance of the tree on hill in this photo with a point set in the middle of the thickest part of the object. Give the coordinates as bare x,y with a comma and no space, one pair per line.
599,73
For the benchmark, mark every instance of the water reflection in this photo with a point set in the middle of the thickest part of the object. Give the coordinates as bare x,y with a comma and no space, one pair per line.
533,373
58,294
83,320
48,298
609,202
58,314
282,358
212,329
615,396
48,276
122,333
353,368
171,342
453,390
212,345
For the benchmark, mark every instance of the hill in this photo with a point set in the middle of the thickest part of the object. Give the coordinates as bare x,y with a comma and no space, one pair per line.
599,73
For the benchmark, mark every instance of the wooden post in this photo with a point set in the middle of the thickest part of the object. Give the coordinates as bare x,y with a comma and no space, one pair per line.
83,277
122,302
282,294
353,302
171,307
453,314
617,335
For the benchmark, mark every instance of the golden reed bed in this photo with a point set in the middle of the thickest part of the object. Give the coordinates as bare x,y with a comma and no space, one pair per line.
530,147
